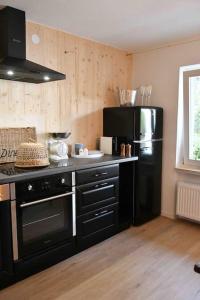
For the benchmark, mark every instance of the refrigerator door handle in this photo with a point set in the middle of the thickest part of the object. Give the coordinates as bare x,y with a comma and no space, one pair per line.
157,140
147,141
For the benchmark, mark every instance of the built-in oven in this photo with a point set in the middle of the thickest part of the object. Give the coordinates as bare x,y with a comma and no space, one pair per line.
43,214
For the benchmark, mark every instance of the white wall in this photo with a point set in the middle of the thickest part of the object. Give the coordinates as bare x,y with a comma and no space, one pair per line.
161,69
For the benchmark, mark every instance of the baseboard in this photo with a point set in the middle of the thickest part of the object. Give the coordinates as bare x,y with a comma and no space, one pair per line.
168,215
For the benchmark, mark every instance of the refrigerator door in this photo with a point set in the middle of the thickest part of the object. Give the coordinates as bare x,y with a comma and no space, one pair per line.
147,204
148,123
118,122
136,123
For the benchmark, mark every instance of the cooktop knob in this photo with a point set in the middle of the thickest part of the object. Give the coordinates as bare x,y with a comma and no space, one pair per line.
30,187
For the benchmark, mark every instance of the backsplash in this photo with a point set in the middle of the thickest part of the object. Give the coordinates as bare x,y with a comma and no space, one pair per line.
93,74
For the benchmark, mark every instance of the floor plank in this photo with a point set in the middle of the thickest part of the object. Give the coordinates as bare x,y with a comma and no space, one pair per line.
154,261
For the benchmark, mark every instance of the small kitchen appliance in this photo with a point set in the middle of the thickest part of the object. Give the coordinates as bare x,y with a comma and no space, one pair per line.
57,145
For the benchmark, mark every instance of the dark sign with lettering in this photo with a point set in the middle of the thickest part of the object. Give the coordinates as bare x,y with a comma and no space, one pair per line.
11,138
8,153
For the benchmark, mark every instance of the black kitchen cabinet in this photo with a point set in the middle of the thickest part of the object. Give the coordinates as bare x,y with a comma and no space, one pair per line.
126,194
96,226
104,206
6,263
97,194
95,174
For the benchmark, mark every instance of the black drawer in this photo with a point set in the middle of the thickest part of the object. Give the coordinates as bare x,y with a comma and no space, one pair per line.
94,195
95,174
97,226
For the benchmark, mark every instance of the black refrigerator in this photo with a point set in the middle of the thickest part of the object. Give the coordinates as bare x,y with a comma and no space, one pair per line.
142,127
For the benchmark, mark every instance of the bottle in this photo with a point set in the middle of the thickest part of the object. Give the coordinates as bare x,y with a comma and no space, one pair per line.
122,150
128,150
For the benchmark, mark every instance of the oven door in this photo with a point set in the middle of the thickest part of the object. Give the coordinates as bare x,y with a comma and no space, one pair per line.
45,223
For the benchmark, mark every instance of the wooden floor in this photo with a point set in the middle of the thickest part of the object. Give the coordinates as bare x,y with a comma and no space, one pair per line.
151,262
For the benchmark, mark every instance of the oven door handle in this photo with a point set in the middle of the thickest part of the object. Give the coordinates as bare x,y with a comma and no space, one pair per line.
45,200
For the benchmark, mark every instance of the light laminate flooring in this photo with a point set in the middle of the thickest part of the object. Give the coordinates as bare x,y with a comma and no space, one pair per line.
151,262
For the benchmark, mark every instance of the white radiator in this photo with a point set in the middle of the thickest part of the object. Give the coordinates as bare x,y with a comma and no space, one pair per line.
188,201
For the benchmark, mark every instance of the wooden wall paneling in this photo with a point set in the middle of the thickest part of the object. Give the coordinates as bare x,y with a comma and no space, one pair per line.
86,90
32,100
3,98
99,100
50,48
16,98
73,97
93,74
50,90
35,101
34,52
66,64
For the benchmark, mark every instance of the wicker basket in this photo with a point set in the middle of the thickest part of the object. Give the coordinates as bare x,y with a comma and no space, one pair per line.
11,138
31,155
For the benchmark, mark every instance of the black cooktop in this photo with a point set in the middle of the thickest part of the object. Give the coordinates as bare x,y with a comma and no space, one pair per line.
9,169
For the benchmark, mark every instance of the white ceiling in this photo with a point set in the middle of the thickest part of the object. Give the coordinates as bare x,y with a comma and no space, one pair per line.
127,24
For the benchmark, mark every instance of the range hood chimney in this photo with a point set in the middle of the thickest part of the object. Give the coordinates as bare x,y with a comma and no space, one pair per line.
13,63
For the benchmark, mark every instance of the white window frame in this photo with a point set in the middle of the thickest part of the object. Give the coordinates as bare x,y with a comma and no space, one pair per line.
186,76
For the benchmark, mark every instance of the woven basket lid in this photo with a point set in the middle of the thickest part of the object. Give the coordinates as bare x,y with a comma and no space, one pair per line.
32,155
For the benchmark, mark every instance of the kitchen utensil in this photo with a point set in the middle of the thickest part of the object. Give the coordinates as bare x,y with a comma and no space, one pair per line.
31,155
142,93
127,97
148,94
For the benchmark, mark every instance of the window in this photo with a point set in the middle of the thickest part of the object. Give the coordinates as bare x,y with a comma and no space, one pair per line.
188,121
191,100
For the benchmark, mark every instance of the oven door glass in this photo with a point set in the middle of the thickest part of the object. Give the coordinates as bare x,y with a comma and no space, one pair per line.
44,224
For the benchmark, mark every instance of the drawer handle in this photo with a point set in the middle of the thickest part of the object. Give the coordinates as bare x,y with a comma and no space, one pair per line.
101,184
101,174
101,213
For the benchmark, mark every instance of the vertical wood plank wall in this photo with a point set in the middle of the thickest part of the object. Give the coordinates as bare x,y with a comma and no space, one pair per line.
93,74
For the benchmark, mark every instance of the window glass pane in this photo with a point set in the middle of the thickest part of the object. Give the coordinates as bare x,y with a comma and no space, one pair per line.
194,118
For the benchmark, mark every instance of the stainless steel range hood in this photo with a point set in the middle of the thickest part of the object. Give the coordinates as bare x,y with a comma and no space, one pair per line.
13,63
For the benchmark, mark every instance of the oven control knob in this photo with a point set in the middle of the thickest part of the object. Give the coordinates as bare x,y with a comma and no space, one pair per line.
30,187
62,180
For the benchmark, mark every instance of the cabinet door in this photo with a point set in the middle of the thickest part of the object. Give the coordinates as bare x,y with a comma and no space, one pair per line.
95,195
6,262
97,226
